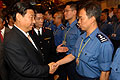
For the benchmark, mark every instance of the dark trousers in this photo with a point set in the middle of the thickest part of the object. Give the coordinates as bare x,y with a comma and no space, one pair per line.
86,78
116,44
68,69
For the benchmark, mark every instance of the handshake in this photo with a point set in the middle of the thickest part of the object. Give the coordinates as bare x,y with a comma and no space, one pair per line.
53,67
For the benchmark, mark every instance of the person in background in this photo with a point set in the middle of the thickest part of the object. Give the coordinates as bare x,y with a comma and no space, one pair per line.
10,21
105,26
3,32
49,19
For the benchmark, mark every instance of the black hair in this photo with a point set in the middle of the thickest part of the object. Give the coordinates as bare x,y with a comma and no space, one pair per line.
92,9
20,7
72,4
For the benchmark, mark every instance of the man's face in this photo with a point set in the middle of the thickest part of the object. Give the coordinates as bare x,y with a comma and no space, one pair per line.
47,15
55,18
103,17
118,14
39,19
68,13
1,24
28,20
84,22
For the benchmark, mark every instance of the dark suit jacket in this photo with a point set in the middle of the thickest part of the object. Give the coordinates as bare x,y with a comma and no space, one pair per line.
24,61
46,44
3,72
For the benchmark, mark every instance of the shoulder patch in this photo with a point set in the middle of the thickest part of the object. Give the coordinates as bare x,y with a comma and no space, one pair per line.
101,37
62,28
48,28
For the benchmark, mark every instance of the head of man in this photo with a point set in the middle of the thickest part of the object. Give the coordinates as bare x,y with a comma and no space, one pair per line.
48,15
10,20
57,18
118,14
70,11
23,16
88,15
39,18
2,22
103,16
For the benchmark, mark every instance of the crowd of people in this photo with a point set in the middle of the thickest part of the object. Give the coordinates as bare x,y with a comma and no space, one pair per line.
77,42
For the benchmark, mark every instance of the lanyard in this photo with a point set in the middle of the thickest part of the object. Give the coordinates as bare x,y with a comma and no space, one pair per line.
81,48
66,34
55,32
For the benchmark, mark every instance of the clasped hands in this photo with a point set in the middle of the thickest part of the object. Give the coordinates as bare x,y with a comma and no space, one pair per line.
53,67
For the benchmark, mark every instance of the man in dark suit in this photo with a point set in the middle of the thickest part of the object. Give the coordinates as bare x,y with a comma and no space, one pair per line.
3,31
25,60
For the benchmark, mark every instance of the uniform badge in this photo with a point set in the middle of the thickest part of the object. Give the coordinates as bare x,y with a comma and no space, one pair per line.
47,38
48,28
77,61
62,28
64,42
102,38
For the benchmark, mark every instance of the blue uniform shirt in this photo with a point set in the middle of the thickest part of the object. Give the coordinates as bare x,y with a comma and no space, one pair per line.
71,36
50,25
59,34
96,55
115,66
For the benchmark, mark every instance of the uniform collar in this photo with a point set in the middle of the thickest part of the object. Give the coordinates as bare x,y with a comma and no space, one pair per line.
51,21
73,23
59,26
92,35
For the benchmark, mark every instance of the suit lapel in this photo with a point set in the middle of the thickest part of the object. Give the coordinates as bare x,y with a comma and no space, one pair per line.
24,37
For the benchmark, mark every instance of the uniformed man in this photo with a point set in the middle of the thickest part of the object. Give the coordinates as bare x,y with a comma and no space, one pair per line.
105,26
49,19
71,34
115,34
115,67
59,30
43,38
93,50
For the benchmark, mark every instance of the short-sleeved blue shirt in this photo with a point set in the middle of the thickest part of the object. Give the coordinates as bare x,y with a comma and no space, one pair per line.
96,55
115,66
72,35
59,34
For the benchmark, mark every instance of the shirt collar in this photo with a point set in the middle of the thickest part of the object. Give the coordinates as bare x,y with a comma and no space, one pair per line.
73,23
92,35
3,31
26,34
60,26
51,21
36,30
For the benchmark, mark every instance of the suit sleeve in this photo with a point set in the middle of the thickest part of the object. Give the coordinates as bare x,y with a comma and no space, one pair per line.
17,59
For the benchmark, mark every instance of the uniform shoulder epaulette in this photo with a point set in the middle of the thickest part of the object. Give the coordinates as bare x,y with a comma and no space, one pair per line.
62,27
48,28
101,37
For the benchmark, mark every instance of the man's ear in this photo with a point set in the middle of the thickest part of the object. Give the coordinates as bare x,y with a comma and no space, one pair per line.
92,18
19,16
75,12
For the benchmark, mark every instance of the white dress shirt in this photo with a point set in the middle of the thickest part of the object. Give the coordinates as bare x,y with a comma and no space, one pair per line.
26,34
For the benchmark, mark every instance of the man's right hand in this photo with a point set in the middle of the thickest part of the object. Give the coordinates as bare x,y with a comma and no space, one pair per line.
60,48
